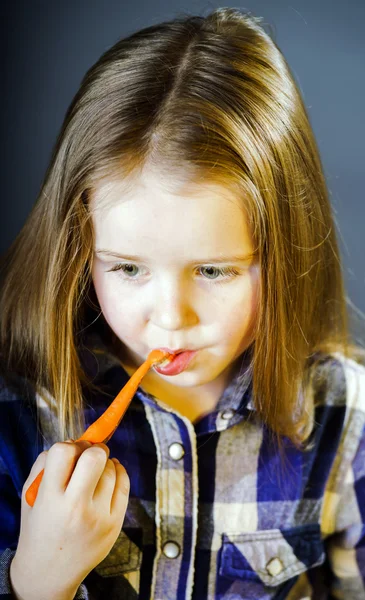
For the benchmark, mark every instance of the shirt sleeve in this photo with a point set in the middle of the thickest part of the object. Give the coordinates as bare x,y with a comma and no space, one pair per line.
344,506
10,510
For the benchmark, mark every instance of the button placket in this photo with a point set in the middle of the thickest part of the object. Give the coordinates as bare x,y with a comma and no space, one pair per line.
173,505
172,549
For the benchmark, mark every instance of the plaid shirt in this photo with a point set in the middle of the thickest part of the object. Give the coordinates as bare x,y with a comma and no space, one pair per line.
212,513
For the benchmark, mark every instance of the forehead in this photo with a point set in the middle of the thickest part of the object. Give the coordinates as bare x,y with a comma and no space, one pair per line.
184,213
117,189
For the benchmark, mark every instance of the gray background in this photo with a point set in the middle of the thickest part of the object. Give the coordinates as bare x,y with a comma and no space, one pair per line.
48,46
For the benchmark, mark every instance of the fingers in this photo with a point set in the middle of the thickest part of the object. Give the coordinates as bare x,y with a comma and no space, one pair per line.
61,460
105,486
88,471
82,470
112,490
120,496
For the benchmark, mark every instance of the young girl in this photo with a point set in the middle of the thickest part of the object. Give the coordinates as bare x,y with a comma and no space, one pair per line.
185,207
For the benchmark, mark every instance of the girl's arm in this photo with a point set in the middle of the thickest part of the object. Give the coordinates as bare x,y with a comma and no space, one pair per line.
10,507
20,443
343,512
346,546
75,521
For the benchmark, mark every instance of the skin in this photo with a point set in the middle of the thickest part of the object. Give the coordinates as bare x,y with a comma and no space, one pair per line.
103,428
74,523
167,299
176,303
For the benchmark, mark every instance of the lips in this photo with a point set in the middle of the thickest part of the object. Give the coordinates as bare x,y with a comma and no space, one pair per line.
176,351
178,364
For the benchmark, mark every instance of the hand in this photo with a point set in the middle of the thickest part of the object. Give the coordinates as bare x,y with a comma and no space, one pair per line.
75,521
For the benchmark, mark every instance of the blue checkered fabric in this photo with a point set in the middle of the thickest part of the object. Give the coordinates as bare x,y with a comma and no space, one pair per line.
213,511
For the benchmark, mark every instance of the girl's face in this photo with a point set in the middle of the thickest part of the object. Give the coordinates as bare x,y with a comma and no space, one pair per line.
175,271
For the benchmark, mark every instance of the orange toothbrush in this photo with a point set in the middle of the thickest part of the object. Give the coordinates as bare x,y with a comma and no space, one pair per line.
103,428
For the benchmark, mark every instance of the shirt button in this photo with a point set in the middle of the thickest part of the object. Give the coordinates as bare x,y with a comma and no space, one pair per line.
274,566
227,414
171,550
176,451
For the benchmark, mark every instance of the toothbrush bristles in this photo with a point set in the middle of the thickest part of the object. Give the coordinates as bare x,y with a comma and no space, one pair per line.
165,361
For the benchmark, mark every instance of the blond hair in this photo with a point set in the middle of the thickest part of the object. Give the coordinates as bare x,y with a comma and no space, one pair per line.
212,97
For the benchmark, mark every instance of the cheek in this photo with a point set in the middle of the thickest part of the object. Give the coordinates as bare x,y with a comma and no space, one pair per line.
102,288
242,313
119,308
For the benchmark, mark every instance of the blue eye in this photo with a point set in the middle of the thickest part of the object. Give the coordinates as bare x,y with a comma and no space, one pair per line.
226,271
128,266
125,271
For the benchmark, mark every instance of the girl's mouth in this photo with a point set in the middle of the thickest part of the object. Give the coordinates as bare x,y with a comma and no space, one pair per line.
178,364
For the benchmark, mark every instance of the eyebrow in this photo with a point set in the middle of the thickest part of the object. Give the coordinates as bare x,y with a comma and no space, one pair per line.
217,259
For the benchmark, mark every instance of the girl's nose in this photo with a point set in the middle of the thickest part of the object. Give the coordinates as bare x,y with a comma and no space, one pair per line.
173,308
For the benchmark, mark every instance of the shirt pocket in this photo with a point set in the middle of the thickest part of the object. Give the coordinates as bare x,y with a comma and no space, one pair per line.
271,557
124,558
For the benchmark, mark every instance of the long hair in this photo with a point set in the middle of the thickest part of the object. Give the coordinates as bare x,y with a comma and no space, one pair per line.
214,98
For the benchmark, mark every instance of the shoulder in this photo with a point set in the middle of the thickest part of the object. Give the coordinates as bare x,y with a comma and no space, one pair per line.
20,435
15,388
339,381
347,399
339,411
354,377
342,385
353,435
341,504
